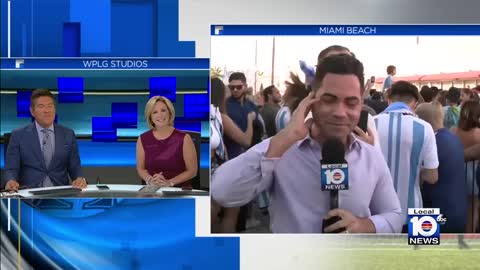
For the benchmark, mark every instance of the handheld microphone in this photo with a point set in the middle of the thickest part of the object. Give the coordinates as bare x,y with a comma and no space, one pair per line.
334,175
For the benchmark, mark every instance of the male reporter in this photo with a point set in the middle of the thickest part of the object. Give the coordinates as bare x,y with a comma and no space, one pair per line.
288,164
42,154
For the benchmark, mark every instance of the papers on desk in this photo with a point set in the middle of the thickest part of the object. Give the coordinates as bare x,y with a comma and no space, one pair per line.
149,189
170,189
8,194
182,192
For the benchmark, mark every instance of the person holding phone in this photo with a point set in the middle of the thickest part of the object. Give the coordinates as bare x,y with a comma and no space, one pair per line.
288,164
369,87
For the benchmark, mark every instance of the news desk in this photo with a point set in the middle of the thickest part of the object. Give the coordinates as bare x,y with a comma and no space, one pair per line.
114,191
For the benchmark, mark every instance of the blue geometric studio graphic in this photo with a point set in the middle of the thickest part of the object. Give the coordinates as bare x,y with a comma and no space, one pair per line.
114,234
73,28
23,103
165,86
70,90
124,115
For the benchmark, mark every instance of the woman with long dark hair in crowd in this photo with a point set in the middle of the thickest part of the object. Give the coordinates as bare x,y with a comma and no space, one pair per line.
222,125
466,95
468,131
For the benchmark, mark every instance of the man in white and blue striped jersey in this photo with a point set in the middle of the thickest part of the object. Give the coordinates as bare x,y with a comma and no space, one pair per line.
408,145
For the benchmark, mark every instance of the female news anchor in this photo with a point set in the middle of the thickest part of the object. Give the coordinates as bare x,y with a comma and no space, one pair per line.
166,157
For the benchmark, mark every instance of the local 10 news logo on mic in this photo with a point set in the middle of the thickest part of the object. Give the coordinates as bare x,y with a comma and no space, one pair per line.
424,226
334,176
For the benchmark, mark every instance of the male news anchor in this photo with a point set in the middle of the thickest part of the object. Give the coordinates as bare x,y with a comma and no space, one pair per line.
42,154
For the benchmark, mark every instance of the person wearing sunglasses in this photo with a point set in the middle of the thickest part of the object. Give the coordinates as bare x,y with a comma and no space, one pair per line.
238,108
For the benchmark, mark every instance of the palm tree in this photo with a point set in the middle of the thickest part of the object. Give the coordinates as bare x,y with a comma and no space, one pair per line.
216,72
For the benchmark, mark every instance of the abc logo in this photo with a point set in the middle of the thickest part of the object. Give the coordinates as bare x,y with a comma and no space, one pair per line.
425,226
335,176
441,220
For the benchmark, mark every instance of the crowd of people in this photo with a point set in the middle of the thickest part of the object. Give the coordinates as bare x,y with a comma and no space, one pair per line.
420,149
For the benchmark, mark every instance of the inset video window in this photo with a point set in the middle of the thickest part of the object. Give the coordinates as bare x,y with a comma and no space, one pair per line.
95,112
345,129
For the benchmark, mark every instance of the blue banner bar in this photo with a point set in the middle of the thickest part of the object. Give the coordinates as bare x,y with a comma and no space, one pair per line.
98,154
105,63
345,30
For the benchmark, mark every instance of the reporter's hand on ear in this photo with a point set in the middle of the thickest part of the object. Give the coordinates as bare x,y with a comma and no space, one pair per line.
295,130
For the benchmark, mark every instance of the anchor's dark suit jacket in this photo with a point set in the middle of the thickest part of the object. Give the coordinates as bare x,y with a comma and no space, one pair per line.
24,160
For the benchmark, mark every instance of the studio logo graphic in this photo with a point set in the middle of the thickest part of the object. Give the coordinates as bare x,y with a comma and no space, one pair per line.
334,176
424,226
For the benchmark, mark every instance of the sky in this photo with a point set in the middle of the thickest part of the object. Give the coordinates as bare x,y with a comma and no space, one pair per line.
411,55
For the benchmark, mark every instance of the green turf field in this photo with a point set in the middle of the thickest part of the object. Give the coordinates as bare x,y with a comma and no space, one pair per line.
398,255
407,258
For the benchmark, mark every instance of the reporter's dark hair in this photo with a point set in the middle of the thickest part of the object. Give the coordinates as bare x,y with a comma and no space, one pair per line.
329,49
339,64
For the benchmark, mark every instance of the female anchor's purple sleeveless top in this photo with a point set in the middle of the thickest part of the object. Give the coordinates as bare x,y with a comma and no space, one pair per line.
165,155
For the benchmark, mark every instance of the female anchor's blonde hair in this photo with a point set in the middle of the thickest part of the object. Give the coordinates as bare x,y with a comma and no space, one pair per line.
151,105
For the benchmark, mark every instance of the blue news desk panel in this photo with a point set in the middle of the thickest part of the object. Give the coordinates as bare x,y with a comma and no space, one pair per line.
110,234
115,162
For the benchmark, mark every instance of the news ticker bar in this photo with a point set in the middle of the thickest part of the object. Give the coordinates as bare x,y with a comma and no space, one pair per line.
345,30
105,63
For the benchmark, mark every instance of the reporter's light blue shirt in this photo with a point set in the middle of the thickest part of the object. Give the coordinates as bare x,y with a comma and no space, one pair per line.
298,205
